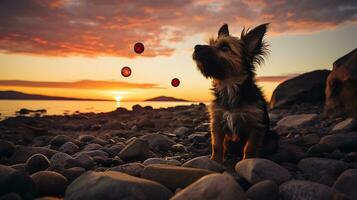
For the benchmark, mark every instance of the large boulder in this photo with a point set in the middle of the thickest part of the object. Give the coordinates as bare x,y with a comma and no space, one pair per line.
210,187
255,170
305,88
112,185
341,86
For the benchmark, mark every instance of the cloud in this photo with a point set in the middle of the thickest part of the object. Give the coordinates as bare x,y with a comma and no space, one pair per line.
82,84
111,27
280,78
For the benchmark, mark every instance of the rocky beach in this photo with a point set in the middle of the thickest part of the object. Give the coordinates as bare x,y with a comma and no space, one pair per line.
164,153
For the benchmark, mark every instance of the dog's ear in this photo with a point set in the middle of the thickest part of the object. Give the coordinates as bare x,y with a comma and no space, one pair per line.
253,39
223,31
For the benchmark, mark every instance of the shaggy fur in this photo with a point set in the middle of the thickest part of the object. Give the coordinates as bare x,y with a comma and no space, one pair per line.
238,114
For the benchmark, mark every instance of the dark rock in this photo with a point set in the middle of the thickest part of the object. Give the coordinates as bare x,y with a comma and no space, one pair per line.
20,167
204,162
23,153
319,149
11,196
311,139
91,147
37,162
346,125
210,187
287,153
69,148
133,169
150,161
305,88
114,150
322,170
158,141
99,141
173,177
13,181
6,148
145,123
115,185
263,190
179,148
59,140
59,161
182,131
86,138
255,170
341,86
297,189
346,142
346,183
296,121
83,160
49,183
94,153
72,173
138,148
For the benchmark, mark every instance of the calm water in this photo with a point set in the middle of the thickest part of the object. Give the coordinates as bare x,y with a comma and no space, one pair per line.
8,108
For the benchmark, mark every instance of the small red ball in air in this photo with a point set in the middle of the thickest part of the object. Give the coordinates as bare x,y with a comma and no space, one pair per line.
175,82
139,47
126,71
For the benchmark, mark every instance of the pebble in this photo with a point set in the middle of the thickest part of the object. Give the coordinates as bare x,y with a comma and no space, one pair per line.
204,162
37,162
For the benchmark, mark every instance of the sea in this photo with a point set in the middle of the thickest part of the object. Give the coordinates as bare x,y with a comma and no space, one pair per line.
9,108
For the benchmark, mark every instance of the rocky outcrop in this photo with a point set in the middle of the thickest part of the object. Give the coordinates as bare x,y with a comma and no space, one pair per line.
341,86
305,88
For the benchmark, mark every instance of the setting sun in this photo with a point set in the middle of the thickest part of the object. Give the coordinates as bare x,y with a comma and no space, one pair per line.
118,98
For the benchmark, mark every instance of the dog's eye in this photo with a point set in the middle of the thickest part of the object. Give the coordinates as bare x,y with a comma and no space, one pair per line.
225,47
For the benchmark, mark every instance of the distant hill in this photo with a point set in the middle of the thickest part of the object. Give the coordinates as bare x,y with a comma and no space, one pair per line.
14,95
165,98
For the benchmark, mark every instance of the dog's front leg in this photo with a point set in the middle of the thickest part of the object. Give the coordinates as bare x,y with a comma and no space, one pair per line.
217,140
254,145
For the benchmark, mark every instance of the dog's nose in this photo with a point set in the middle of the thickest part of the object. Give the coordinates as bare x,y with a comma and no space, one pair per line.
198,47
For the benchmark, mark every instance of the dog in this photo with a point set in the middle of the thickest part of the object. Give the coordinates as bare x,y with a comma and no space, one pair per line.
238,114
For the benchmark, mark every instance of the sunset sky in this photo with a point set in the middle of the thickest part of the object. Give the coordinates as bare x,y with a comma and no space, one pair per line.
76,48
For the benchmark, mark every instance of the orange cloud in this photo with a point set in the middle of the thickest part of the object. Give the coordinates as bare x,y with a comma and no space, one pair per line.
83,84
275,78
106,27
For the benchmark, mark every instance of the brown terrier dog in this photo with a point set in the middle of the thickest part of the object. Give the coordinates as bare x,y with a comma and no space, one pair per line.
238,114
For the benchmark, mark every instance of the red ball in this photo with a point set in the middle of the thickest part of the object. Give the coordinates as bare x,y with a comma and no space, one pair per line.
175,82
126,71
139,47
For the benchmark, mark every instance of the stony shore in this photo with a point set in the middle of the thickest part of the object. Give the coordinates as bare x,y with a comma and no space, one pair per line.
164,154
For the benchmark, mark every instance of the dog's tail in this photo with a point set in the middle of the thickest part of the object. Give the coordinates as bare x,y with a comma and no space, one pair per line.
271,142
